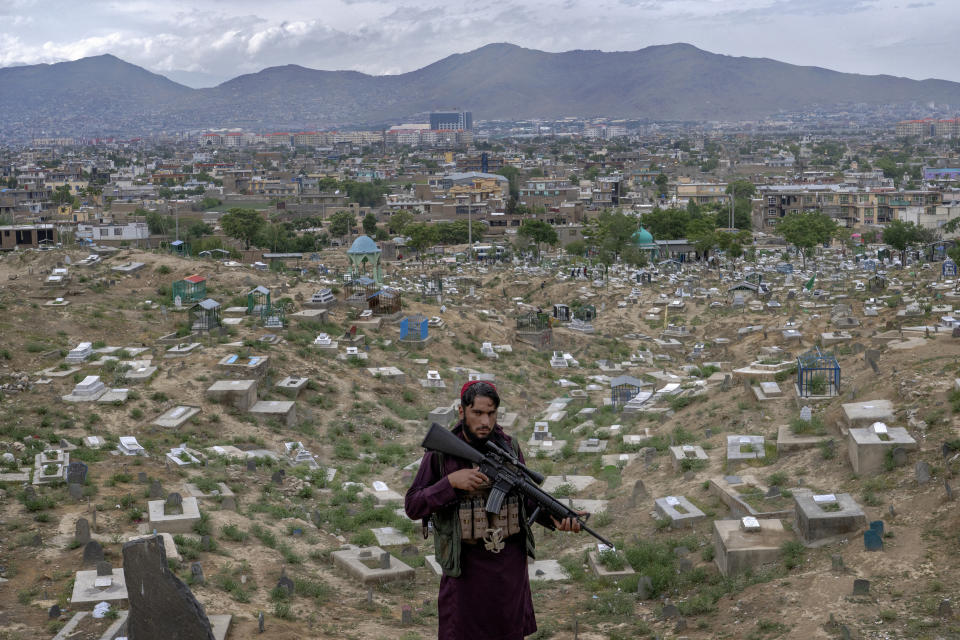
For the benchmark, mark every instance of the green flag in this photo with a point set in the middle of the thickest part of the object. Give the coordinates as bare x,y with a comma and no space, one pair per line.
809,285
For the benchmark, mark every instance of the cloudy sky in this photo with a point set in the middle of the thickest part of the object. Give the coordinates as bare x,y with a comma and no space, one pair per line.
204,42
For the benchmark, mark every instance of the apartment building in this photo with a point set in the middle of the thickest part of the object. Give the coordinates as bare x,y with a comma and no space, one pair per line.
548,193
703,193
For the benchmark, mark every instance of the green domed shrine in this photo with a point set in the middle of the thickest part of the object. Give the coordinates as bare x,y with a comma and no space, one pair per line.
643,240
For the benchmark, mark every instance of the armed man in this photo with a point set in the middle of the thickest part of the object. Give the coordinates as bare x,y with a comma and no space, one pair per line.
485,589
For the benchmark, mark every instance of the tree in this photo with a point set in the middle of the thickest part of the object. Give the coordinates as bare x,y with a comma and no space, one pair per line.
574,179
422,235
369,224
513,175
661,181
165,192
242,224
741,189
156,221
576,248
198,229
703,236
900,235
62,195
399,220
806,230
538,231
342,222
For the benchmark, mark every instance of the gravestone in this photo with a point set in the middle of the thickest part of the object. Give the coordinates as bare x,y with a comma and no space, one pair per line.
251,465
644,587
948,489
54,612
861,587
872,541
773,492
156,489
92,553
945,610
29,493
877,525
836,561
385,560
161,605
196,572
82,531
286,583
229,503
923,473
670,611
276,478
104,568
806,413
205,543
899,456
260,621
75,491
76,473
174,503
142,477
406,615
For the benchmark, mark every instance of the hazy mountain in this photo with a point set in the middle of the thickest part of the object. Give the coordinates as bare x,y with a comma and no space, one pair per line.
498,81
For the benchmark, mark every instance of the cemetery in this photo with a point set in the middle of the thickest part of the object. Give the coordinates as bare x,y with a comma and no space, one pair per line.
748,460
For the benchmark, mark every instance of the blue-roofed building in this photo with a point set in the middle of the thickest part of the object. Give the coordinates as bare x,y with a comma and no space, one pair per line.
364,256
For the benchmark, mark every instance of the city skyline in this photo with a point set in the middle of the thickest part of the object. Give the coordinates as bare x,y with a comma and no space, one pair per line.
204,43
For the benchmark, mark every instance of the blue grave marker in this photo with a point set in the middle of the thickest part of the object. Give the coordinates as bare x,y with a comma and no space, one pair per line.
404,328
877,525
872,540
423,329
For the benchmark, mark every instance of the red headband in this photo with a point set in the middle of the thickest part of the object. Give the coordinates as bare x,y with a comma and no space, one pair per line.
466,386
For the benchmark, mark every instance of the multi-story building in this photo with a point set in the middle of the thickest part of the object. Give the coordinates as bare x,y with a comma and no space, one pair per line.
451,120
848,205
703,192
547,193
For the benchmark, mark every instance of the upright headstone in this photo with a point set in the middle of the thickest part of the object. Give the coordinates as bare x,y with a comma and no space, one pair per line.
75,491
406,615
836,561
104,568
54,612
945,610
82,531
156,489
286,584
161,605
861,587
76,473
948,489
142,477
92,553
276,478
196,572
872,541
899,456
385,560
923,473
806,413
644,587
251,465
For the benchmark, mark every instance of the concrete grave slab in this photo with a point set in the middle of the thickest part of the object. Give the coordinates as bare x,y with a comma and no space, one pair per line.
825,518
741,448
292,386
177,523
868,447
864,414
788,442
389,536
241,394
283,410
747,544
579,483
680,453
365,565
89,589
546,570
176,417
679,510
182,350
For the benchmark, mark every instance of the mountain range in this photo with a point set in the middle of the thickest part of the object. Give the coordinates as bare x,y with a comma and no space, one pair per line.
104,95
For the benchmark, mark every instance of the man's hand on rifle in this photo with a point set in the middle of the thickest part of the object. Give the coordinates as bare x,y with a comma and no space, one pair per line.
467,479
568,524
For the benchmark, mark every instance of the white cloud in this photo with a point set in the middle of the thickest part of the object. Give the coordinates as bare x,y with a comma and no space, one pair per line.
224,38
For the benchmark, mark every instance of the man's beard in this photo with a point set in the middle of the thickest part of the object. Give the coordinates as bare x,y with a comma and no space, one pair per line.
475,440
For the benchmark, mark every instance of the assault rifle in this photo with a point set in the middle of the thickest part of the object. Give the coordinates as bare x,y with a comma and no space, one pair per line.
508,475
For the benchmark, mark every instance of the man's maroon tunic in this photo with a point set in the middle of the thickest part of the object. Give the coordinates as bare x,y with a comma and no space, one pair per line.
491,598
